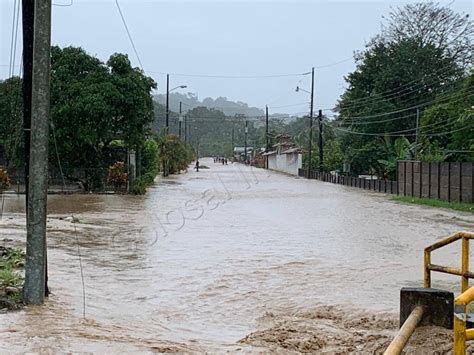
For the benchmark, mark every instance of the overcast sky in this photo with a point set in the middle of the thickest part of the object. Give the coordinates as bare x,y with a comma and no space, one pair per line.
225,38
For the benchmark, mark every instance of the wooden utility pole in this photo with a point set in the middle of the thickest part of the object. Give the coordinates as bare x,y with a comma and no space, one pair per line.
310,144
267,142
35,268
321,152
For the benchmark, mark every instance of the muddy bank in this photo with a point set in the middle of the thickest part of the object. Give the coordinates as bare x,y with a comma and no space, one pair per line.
341,330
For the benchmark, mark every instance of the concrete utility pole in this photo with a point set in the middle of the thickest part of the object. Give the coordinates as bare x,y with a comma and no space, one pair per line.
321,153
267,142
167,103
186,130
28,18
232,140
245,141
180,119
310,144
35,275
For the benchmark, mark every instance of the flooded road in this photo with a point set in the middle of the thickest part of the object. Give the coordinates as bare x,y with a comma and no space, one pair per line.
227,258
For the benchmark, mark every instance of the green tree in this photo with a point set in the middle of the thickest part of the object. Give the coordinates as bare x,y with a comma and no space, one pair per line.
11,119
94,104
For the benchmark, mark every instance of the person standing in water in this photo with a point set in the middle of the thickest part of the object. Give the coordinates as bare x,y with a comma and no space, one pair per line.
197,166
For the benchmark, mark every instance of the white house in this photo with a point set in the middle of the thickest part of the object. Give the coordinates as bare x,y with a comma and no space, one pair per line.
285,157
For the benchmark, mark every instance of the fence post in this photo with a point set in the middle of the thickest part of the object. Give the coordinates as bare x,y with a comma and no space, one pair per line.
404,178
421,177
429,180
439,181
449,181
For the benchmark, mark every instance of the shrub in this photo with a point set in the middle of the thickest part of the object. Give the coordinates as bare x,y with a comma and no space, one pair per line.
4,179
117,175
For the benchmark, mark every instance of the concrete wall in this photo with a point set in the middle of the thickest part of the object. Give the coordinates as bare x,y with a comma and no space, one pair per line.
444,181
286,163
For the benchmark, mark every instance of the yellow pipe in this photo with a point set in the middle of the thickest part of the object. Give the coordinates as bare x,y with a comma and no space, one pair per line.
405,332
465,297
427,269
465,264
470,334
459,346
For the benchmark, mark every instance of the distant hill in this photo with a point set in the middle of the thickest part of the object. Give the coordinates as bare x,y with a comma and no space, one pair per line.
190,101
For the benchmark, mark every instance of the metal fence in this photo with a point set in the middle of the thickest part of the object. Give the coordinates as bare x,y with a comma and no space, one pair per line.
378,185
444,181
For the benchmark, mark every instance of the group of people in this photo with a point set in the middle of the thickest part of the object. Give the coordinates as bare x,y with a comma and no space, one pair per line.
222,160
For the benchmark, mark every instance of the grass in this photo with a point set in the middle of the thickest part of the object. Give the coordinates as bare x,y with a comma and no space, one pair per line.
11,281
458,206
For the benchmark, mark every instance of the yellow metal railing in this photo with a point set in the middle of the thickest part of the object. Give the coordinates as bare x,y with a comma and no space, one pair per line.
463,271
461,334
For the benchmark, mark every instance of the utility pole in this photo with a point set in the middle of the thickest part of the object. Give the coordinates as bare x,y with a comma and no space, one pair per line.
186,130
321,153
232,140
167,102
417,131
180,119
310,144
245,141
35,273
28,18
267,142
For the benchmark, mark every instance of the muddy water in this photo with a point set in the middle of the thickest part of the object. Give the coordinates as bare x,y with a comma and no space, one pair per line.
228,258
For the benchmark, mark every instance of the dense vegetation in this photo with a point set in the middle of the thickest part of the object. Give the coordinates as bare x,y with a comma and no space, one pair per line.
410,97
408,70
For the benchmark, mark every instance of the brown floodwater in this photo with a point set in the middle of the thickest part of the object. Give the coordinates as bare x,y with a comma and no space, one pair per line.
226,259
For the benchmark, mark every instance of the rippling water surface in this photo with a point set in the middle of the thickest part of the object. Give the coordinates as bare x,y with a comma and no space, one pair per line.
200,261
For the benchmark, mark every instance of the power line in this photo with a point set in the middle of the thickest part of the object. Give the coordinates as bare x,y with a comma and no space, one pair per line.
128,33
64,5
231,76
290,105
398,94
422,104
403,87
398,134
14,36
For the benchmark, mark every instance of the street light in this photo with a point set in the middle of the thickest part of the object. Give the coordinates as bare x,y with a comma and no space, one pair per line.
168,99
298,89
311,126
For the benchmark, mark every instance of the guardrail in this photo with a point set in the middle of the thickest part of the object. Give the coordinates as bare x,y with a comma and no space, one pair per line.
463,271
423,308
461,334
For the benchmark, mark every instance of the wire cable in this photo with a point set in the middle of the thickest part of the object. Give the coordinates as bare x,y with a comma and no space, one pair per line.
79,254
128,33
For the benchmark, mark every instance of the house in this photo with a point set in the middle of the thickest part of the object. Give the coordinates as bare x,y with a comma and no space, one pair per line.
285,156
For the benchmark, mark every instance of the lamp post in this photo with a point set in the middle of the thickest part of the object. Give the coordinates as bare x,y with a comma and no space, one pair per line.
168,99
310,123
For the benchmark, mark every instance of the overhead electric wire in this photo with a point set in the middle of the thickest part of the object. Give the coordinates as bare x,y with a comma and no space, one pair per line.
129,34
14,35
422,104
230,76
376,99
403,87
64,5
399,133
